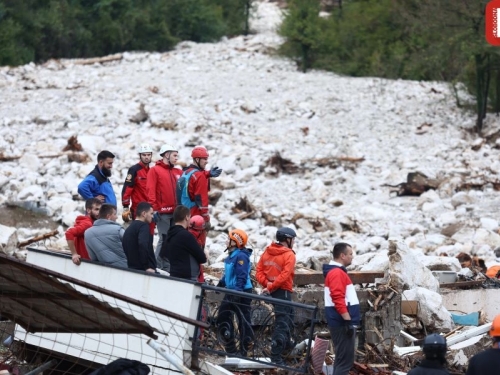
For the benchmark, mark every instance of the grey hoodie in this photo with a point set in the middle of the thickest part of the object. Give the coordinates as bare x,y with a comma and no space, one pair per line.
104,243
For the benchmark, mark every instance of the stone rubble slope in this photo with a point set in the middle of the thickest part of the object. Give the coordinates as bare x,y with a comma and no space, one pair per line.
245,104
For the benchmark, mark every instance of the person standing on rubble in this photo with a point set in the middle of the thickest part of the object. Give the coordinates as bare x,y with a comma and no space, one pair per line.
134,188
434,348
341,307
236,276
161,185
487,362
275,272
97,183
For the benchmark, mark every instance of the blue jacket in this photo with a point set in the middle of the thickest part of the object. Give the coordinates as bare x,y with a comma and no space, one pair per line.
340,296
237,270
97,184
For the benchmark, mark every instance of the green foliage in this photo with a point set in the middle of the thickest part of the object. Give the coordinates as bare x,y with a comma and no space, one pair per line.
410,39
302,28
37,30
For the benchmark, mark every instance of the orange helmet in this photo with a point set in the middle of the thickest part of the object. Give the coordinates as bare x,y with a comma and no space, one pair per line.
199,152
197,223
495,327
239,237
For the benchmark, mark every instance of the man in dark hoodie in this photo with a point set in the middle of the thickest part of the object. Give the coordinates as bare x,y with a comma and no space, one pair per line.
138,240
181,248
341,307
275,272
236,277
434,348
161,185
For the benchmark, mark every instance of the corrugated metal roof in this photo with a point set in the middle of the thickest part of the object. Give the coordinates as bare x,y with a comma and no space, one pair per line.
39,302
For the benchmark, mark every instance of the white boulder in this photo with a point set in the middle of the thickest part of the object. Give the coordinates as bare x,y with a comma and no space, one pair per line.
31,193
431,311
406,271
8,239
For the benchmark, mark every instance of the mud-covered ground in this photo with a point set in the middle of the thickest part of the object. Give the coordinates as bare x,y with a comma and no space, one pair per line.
14,216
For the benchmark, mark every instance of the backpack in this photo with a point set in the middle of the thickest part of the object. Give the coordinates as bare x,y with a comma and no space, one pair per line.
182,193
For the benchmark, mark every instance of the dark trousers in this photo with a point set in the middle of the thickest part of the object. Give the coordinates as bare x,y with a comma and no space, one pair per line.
240,307
344,350
283,324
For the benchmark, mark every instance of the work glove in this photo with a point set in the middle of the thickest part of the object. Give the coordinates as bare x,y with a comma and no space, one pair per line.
156,217
350,330
126,215
215,171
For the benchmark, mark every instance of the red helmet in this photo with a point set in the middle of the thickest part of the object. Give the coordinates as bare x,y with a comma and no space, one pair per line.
199,152
239,236
197,223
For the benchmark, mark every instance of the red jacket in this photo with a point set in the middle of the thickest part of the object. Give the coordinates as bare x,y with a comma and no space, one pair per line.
276,266
161,185
134,187
198,188
76,232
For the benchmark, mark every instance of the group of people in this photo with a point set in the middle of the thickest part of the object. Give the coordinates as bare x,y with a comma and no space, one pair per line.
149,198
176,202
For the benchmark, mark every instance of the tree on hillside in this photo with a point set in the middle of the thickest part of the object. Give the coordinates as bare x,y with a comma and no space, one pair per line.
302,30
455,46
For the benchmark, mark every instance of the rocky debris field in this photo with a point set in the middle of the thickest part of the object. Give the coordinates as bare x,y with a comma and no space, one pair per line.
314,151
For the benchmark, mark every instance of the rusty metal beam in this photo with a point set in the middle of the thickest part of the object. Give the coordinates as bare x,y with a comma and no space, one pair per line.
316,277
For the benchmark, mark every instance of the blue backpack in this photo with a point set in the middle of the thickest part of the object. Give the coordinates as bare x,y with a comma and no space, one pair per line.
181,192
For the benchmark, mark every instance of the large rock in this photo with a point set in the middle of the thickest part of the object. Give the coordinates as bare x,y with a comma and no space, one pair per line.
437,263
430,311
461,198
406,271
8,239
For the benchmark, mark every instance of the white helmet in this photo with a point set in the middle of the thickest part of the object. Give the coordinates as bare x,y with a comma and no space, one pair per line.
144,148
166,147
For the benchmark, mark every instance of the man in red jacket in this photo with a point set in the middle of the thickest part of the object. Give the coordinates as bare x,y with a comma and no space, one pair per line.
161,185
74,235
275,272
199,185
134,188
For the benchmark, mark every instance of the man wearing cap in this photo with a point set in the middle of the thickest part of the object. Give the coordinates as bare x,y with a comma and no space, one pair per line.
198,185
134,188
160,187
275,272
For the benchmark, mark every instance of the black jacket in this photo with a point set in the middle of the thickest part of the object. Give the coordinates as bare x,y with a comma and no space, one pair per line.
138,246
486,362
183,252
429,367
123,366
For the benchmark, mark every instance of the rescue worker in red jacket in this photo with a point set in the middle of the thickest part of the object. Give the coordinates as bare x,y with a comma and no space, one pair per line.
134,188
75,234
199,184
197,229
275,272
161,185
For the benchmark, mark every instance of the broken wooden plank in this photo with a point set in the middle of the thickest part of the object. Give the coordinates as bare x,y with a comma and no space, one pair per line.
409,307
316,277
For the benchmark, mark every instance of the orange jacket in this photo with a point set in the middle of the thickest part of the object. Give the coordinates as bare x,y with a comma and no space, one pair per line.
276,266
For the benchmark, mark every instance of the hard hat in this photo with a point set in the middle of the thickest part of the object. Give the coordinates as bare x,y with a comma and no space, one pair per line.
283,233
144,148
197,222
495,327
166,147
199,152
434,346
239,236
